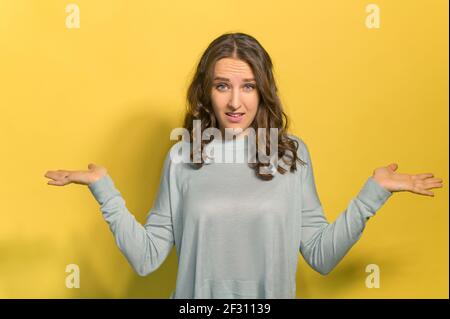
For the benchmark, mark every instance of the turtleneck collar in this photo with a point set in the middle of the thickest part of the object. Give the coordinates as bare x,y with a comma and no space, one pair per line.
239,143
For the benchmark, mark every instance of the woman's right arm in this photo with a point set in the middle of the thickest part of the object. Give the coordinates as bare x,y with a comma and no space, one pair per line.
145,247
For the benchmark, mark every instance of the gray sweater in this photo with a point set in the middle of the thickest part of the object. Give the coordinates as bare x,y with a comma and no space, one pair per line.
236,236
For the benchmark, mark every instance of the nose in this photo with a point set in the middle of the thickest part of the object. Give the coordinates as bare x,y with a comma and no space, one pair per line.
235,101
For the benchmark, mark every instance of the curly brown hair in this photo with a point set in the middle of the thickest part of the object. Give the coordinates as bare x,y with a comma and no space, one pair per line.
270,112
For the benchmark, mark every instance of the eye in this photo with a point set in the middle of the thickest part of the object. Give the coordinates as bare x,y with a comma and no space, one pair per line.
220,85
250,86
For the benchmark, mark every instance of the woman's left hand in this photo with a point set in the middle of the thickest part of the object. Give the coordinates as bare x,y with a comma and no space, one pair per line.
396,182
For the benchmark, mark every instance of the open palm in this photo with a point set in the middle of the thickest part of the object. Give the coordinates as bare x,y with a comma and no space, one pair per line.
63,177
392,181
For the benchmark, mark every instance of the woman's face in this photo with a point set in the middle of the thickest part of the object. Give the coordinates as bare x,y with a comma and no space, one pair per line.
234,94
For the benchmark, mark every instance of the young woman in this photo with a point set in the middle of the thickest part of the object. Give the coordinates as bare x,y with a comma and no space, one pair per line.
238,229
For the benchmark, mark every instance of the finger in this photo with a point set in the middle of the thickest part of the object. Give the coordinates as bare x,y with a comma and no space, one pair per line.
60,175
52,174
425,192
434,180
57,183
425,175
433,185
93,166
421,188
57,175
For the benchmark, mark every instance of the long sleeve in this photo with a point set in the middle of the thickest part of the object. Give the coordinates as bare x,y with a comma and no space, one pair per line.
145,247
324,244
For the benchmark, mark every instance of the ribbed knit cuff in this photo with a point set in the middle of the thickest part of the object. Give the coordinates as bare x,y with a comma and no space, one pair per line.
373,195
103,189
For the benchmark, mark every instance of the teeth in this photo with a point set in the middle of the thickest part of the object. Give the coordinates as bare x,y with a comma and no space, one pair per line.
235,114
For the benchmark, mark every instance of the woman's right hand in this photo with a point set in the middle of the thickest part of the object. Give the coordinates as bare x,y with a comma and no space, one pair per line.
64,177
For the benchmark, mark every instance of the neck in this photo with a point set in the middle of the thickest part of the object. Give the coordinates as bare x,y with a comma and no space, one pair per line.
231,134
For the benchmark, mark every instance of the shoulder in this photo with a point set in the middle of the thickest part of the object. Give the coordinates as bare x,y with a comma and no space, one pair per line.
177,153
294,137
302,150
173,160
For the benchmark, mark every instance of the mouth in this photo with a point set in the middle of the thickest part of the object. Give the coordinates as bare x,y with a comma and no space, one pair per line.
234,117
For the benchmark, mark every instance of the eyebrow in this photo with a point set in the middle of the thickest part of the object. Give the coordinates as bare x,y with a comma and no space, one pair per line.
228,80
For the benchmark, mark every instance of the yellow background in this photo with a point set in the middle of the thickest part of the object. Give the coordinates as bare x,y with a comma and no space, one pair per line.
111,91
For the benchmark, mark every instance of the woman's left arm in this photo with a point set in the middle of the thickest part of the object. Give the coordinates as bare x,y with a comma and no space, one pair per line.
324,244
